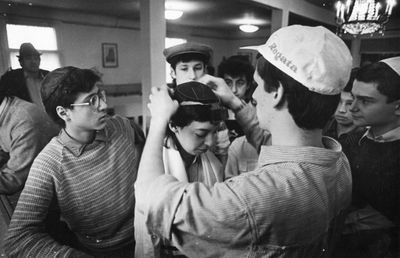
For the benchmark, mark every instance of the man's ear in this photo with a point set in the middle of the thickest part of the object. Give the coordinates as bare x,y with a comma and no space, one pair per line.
278,95
172,73
63,113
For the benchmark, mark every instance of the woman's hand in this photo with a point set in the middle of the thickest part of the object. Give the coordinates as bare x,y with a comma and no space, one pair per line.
161,106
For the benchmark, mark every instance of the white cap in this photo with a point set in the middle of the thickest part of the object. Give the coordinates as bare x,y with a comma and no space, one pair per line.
394,63
313,56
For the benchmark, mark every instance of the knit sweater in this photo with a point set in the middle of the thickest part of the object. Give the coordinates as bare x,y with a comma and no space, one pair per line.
93,186
24,131
375,169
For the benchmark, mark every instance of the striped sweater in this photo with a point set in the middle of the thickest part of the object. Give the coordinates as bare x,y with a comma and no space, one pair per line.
93,186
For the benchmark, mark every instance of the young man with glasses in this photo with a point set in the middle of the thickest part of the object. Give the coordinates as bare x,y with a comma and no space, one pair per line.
87,171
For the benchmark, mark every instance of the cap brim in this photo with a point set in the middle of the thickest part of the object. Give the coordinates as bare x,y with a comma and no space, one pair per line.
250,47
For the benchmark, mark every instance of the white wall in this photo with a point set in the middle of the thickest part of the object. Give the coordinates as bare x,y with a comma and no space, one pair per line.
81,47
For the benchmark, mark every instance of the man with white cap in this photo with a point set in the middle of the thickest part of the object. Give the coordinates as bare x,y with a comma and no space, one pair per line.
374,157
283,208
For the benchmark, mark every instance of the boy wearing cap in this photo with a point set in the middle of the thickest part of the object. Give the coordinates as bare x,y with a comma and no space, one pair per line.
87,172
25,82
285,207
374,155
188,61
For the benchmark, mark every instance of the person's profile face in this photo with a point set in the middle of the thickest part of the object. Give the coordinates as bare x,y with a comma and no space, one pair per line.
30,63
370,107
342,113
188,71
83,117
238,85
196,137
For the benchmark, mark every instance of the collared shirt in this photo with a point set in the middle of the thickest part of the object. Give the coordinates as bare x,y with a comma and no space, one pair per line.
93,186
282,209
390,136
33,84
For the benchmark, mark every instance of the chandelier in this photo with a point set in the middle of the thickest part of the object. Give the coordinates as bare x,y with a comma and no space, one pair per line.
359,17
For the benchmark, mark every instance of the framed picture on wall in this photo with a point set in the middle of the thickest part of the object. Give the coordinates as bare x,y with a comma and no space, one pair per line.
109,55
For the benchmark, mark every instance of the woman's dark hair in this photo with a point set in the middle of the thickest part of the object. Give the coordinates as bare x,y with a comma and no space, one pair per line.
207,108
387,80
62,86
310,110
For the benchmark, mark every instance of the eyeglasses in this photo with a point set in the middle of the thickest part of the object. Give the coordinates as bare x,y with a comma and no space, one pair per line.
94,101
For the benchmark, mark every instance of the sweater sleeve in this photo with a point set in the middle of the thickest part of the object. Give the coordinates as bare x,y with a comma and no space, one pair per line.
27,140
248,121
26,234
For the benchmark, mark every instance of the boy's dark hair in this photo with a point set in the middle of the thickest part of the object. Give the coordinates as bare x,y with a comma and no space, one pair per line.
310,110
387,80
61,87
187,58
236,66
349,85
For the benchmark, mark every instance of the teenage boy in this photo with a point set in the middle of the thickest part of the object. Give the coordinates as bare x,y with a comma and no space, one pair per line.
374,157
342,123
88,171
284,208
188,61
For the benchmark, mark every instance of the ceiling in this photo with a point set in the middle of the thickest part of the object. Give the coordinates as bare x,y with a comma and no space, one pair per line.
222,15
394,20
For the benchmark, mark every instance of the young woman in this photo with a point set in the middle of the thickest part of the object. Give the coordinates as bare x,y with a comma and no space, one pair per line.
191,134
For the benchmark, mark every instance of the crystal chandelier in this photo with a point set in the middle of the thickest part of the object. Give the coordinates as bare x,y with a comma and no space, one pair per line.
359,17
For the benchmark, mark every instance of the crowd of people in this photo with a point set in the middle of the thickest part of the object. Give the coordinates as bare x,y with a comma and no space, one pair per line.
295,157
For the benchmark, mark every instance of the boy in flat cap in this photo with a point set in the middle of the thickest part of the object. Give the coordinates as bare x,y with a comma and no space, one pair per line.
87,172
372,228
283,208
25,81
188,61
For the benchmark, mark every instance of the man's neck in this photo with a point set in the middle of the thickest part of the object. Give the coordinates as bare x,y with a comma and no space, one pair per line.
285,132
381,130
32,74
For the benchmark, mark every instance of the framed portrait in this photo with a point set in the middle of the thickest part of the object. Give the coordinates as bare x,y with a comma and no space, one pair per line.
110,55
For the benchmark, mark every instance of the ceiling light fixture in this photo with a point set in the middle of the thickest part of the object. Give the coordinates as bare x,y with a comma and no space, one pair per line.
359,17
173,14
248,28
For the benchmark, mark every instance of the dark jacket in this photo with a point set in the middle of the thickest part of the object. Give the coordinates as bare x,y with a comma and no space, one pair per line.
13,83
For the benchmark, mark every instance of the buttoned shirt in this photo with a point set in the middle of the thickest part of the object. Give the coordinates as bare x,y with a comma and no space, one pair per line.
390,136
282,209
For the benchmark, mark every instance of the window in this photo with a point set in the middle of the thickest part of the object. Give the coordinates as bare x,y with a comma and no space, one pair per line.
170,42
42,38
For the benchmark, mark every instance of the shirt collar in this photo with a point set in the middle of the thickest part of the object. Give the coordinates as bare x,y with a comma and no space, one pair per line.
315,155
76,147
40,75
390,136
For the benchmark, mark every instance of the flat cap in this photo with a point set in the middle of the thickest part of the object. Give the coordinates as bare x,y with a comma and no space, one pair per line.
187,48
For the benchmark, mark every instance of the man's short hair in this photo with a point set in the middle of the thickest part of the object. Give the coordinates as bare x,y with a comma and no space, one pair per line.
236,66
310,110
62,86
349,85
387,80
